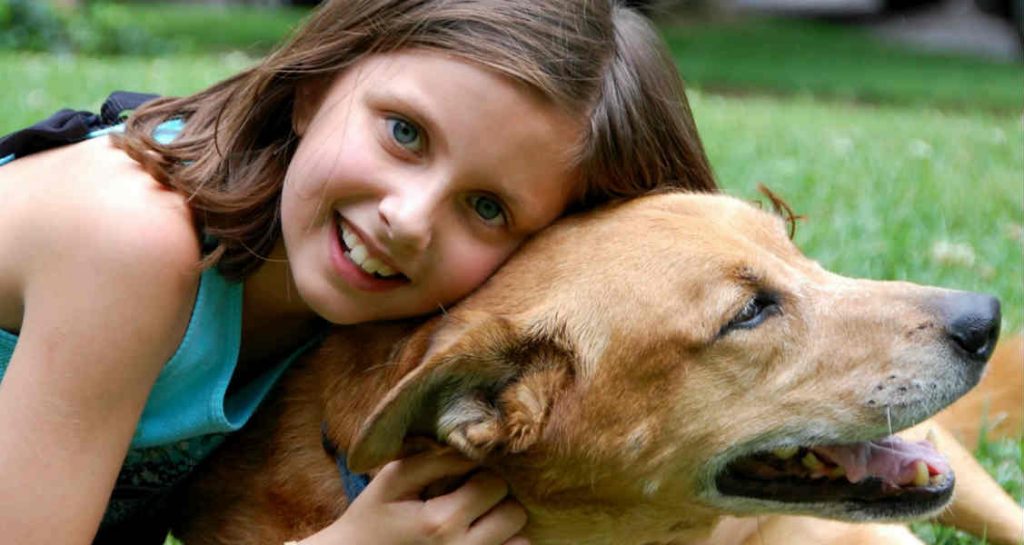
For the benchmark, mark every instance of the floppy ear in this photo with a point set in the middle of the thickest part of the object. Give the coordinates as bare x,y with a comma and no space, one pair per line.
485,387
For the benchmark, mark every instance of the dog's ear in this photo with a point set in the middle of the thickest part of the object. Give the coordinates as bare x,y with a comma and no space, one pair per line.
483,386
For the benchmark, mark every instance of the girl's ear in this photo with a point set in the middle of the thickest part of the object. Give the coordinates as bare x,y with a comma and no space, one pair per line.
309,95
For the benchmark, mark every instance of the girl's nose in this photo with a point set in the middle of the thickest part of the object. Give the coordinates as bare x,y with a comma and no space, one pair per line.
407,217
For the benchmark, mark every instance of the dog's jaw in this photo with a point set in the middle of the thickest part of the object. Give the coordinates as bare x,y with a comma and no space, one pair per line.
641,522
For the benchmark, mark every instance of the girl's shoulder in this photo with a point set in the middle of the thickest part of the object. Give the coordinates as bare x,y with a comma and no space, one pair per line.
88,210
98,277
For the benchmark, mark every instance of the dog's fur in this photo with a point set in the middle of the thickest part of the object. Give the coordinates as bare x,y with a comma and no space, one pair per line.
596,372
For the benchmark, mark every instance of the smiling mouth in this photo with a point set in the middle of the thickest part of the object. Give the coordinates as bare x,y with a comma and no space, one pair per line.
356,251
887,474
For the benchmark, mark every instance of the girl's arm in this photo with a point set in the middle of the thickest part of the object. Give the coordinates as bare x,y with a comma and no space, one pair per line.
104,264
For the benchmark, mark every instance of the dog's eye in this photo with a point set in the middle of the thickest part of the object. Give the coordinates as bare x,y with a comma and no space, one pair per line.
753,313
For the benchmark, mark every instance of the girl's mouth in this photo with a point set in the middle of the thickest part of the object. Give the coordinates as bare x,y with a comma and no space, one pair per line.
357,264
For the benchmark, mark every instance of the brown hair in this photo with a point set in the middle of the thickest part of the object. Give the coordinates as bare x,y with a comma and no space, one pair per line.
595,59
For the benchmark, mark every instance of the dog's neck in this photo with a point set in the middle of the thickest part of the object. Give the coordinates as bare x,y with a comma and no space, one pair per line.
359,371
568,525
367,357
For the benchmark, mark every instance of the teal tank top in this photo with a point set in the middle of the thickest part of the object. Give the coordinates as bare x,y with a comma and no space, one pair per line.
188,412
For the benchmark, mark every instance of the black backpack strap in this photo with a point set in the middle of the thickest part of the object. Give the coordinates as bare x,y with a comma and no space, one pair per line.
119,104
68,126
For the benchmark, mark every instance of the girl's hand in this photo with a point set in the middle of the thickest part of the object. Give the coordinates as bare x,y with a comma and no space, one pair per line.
391,512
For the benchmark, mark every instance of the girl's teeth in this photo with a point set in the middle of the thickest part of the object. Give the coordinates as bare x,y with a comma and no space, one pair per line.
359,255
372,265
350,238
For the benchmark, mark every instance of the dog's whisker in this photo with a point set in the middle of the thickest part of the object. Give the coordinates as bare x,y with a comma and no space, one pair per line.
760,535
372,368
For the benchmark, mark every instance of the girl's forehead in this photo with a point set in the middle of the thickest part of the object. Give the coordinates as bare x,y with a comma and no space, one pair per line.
442,88
402,65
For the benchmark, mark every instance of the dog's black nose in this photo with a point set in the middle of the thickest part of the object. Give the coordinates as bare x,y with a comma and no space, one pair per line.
972,323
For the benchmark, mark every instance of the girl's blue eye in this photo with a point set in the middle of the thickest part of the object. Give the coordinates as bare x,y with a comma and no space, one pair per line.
488,209
405,133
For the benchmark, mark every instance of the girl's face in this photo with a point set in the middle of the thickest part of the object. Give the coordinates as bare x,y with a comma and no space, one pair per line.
417,175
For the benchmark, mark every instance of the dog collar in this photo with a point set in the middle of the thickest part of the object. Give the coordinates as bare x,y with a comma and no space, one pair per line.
353,483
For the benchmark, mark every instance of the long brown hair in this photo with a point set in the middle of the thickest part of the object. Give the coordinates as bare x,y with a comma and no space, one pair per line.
595,59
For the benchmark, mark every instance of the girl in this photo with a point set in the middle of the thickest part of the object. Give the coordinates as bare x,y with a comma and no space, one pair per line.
379,165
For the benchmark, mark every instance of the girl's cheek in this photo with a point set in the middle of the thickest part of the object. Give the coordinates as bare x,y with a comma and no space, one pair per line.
304,175
471,267
341,155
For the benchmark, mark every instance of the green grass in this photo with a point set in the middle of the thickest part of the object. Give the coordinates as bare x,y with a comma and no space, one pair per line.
901,174
39,84
888,192
198,28
834,61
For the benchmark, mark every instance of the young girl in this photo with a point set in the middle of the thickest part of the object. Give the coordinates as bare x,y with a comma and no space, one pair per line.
379,165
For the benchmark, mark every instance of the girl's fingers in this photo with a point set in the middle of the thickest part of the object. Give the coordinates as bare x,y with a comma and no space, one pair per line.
474,498
500,524
407,477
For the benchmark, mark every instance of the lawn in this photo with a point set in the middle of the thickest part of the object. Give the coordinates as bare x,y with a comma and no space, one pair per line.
841,62
907,166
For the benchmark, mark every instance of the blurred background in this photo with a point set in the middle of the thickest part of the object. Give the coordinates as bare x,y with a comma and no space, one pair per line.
894,127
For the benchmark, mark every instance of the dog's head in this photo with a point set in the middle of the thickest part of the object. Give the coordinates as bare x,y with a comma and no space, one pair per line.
636,372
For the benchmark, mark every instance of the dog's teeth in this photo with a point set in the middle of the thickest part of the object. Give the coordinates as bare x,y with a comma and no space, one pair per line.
810,461
837,472
785,453
937,479
921,475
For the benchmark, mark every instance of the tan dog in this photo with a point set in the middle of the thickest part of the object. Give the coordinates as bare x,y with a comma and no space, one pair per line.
634,374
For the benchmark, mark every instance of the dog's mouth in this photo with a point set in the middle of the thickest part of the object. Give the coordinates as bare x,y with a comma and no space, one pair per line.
888,476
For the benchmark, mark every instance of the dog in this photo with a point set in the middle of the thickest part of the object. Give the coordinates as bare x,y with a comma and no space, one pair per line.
636,374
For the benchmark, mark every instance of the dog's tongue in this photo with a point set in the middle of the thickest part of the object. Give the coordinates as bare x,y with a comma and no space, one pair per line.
891,459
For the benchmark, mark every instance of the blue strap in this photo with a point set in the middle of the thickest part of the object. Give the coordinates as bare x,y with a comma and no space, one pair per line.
354,483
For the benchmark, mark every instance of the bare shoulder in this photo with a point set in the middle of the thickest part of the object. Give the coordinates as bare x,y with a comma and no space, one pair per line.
87,215
98,276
